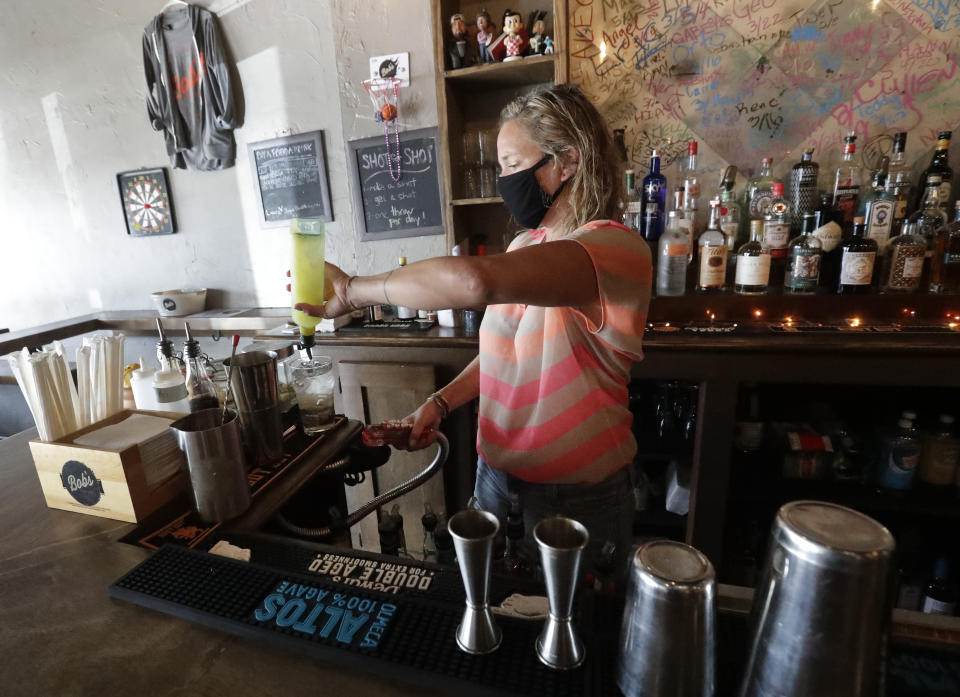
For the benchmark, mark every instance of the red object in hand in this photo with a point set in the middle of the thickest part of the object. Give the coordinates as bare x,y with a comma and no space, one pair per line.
395,433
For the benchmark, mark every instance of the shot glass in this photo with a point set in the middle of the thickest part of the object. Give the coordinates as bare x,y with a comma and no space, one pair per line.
313,382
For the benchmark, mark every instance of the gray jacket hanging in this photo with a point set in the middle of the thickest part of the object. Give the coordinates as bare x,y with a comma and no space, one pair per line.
189,96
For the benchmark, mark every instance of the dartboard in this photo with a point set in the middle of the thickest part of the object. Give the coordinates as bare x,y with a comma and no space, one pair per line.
146,202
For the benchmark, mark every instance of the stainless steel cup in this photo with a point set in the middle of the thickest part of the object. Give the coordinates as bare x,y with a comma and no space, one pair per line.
668,636
215,461
473,532
561,542
253,376
820,612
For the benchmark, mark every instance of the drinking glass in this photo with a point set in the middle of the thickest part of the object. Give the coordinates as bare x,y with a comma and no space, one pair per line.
313,382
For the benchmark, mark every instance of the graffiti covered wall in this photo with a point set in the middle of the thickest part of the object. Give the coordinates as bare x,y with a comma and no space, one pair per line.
767,78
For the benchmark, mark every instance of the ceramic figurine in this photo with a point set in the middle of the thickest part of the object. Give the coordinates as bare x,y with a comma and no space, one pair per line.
537,32
515,42
548,46
459,57
486,33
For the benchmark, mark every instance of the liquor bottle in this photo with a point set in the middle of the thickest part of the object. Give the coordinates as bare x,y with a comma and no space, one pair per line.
685,223
900,456
673,253
858,255
691,182
633,211
803,257
757,195
776,234
940,455
945,274
729,208
201,392
904,266
804,196
829,233
846,184
940,167
940,597
877,208
405,312
930,220
898,182
712,254
753,264
654,196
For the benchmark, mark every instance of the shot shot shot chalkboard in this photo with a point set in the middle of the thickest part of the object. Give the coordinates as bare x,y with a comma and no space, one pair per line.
290,179
386,209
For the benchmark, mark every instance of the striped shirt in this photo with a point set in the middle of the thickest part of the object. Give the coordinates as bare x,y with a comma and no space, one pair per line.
553,385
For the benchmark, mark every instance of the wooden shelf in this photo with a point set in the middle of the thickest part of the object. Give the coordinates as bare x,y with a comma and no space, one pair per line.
522,72
475,201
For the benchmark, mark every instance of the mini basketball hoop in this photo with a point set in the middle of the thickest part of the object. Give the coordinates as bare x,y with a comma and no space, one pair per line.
384,93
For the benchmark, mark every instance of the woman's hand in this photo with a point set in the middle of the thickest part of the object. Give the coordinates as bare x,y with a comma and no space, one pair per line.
427,416
335,286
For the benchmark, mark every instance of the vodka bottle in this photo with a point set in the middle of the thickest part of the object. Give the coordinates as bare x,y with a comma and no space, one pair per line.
712,254
673,253
654,198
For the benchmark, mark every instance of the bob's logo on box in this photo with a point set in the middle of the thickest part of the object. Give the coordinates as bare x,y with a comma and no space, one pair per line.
81,482
169,305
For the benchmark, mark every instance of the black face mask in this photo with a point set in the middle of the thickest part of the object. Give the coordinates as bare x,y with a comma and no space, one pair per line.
524,198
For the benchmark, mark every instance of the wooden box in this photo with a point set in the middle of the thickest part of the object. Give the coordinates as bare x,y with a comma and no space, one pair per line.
104,483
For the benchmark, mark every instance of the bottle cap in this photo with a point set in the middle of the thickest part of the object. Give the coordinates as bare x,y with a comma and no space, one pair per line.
905,423
944,135
859,220
767,160
777,189
654,154
714,202
899,141
934,179
402,261
756,226
692,147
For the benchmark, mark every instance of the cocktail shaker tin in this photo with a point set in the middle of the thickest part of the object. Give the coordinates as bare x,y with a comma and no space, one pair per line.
668,636
819,614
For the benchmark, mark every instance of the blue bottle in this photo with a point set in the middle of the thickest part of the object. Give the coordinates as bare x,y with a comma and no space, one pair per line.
900,457
654,199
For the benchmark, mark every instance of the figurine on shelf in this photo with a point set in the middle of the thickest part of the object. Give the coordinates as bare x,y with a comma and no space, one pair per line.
548,46
516,41
486,33
537,32
459,56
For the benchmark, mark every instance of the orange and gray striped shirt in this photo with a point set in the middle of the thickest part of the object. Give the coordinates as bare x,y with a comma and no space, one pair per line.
553,385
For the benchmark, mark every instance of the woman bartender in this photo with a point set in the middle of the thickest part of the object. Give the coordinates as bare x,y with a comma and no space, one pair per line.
565,312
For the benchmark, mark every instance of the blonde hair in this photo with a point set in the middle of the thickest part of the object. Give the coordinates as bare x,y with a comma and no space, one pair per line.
561,117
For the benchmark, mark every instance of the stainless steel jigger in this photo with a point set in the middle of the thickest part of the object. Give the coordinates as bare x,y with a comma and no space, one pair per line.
473,532
561,542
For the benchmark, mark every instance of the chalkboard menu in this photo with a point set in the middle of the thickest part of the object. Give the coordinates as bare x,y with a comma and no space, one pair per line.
410,207
290,178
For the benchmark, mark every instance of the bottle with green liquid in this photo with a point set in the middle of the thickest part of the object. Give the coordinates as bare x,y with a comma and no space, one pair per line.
306,273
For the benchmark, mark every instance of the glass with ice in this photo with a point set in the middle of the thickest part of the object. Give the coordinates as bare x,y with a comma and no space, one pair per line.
313,383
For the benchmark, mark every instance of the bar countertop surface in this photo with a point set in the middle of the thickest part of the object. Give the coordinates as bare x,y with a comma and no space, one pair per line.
61,634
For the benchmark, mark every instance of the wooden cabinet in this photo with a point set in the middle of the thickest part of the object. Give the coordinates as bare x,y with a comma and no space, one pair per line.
470,99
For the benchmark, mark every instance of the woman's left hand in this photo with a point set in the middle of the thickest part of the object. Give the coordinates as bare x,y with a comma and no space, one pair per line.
335,283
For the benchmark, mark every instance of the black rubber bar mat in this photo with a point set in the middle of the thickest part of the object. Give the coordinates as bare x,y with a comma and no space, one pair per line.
396,635
177,523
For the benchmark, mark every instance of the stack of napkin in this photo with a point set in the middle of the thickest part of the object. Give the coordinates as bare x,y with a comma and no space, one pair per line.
159,454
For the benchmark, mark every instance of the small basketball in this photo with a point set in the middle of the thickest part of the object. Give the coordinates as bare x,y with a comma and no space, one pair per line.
388,112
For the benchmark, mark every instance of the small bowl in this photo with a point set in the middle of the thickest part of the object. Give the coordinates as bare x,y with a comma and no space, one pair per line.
177,303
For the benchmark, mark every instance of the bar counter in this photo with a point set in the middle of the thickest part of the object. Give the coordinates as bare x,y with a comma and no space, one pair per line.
62,635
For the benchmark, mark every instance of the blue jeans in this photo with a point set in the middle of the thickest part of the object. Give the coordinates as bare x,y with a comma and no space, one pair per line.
605,509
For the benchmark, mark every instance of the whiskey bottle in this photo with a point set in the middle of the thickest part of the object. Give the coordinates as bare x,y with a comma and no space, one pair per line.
858,255
712,254
904,268
673,253
753,264
803,257
945,274
846,185
940,167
